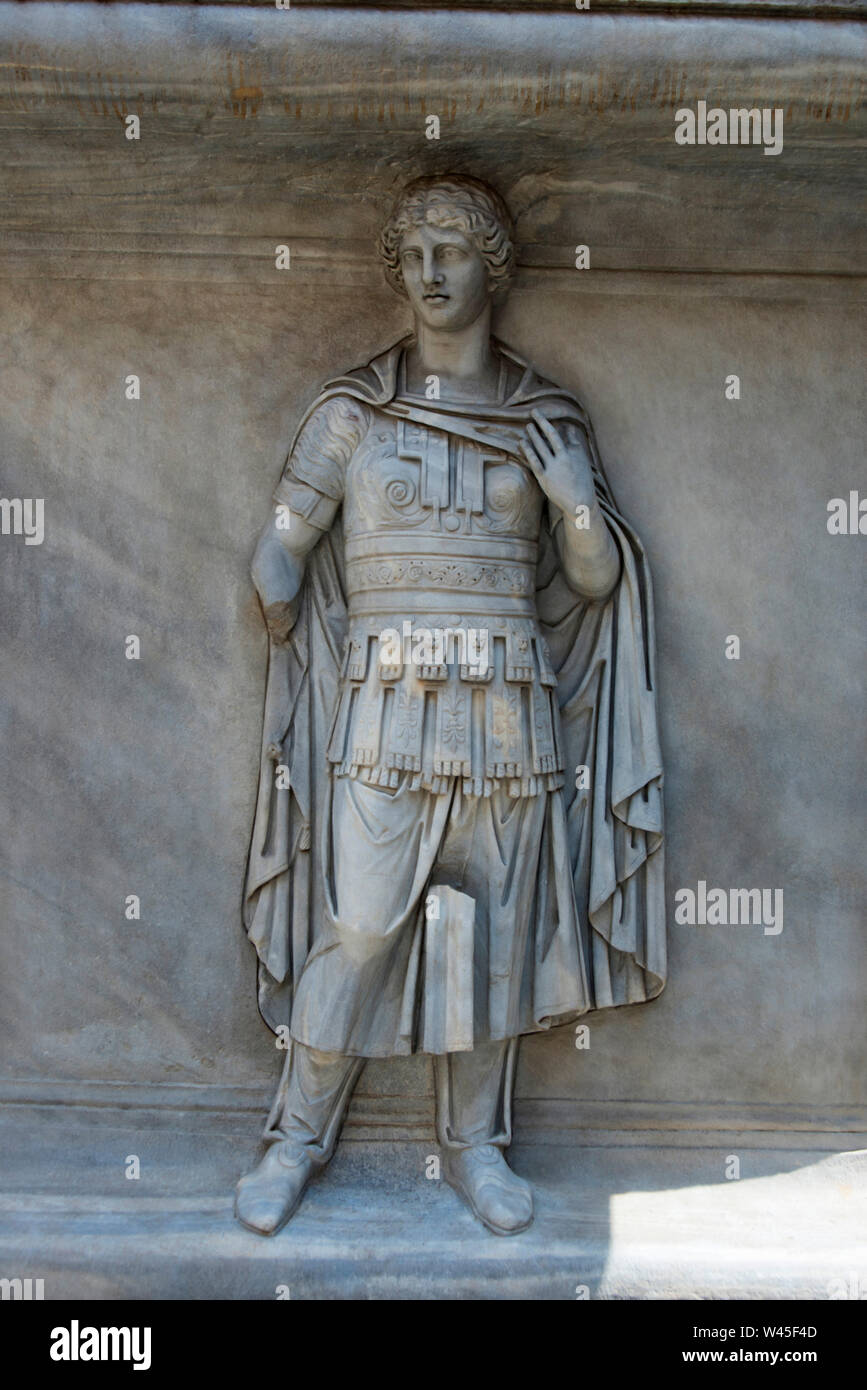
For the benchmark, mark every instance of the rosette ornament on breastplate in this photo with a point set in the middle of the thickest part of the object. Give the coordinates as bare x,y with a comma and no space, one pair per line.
383,489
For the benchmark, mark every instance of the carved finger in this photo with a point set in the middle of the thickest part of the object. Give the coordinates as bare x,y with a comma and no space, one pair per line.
550,432
535,463
539,442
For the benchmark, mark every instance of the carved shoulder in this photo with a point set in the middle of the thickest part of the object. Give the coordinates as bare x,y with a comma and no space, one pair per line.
327,442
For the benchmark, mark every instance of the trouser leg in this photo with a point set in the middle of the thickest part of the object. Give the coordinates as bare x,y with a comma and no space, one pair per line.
356,992
474,1095
312,1099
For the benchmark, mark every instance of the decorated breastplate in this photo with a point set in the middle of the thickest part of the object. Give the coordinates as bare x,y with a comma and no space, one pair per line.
445,672
435,521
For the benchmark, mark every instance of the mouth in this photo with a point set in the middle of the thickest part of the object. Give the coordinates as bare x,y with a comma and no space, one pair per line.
436,299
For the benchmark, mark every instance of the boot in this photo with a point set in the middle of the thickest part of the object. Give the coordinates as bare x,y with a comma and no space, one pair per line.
269,1195
495,1195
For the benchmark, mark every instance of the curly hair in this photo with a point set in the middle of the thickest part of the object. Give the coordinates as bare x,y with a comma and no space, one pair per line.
463,204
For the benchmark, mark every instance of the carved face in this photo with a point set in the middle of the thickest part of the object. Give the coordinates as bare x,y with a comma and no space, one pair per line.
445,277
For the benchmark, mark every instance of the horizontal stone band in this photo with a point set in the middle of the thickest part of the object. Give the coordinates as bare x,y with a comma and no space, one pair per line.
385,608
402,545
492,578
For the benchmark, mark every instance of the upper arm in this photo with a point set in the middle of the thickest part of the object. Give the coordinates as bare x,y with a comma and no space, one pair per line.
314,478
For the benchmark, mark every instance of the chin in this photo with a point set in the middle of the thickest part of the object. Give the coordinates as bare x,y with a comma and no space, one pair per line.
446,317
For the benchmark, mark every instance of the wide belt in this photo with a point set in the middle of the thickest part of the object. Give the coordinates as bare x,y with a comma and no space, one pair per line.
480,575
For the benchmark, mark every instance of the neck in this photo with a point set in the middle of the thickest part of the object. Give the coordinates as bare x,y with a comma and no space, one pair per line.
465,355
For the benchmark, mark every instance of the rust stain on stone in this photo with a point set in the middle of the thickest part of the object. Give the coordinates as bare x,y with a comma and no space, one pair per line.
245,95
242,95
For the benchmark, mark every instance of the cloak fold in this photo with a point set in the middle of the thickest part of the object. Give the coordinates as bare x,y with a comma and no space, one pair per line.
603,657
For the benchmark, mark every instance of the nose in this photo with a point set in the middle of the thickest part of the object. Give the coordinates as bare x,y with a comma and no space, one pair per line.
431,273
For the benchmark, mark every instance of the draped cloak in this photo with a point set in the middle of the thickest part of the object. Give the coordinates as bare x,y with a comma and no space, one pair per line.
602,654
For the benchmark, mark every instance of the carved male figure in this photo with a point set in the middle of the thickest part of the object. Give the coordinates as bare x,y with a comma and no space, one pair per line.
448,853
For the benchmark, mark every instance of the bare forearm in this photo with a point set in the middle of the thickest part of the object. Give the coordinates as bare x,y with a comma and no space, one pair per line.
278,574
589,554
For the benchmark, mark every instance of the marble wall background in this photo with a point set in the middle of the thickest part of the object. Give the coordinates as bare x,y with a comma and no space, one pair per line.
123,777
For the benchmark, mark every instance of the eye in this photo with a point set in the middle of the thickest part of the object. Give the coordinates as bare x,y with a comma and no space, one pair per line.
453,253
410,255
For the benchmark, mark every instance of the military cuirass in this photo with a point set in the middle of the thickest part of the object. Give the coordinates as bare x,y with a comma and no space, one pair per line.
446,673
